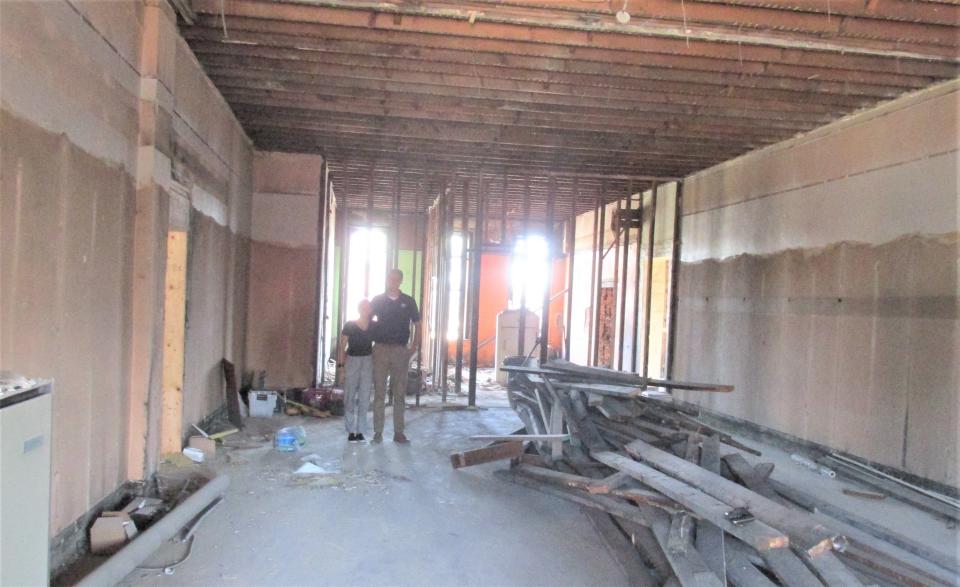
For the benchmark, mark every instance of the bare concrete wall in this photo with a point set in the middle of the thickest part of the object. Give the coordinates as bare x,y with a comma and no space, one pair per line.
282,303
819,277
107,124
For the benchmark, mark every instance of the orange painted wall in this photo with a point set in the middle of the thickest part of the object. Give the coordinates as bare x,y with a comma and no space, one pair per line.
494,297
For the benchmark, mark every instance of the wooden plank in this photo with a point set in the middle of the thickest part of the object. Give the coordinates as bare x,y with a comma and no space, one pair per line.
174,325
804,532
621,549
889,547
831,571
789,569
757,534
646,543
230,393
740,571
487,454
748,475
688,567
710,539
599,502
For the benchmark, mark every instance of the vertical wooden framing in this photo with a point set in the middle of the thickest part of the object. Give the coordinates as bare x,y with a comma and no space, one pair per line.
617,282
636,284
396,217
522,331
444,287
423,272
462,290
174,325
649,285
571,256
623,274
674,278
593,273
476,256
323,229
601,233
551,253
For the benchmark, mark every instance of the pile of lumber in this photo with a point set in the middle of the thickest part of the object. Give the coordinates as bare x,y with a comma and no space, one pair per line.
679,502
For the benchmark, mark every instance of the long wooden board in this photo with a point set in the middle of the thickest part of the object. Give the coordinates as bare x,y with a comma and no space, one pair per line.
804,531
757,534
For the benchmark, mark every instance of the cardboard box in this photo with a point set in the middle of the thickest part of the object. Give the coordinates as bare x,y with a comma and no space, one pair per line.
207,445
111,532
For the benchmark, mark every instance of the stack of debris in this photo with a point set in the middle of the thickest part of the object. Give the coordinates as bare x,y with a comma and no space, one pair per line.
673,506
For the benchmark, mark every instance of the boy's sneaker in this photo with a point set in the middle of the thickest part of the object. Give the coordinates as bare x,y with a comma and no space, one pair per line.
359,437
351,437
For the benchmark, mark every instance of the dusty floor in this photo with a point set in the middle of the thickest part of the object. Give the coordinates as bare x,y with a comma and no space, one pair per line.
386,515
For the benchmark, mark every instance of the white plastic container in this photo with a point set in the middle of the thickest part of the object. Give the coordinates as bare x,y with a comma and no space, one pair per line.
262,403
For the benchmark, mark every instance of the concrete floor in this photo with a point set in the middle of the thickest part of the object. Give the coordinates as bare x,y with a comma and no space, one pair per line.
386,515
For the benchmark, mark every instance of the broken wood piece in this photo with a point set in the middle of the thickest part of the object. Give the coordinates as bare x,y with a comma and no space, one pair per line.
757,534
222,434
608,484
804,532
748,475
741,571
309,409
710,540
789,569
863,494
487,454
511,437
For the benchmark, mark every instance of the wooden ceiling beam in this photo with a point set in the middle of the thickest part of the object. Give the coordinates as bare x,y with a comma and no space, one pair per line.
557,29
340,91
741,17
265,102
326,39
684,81
284,76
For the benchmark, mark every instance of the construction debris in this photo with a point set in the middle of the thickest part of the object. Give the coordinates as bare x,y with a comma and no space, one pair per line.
671,507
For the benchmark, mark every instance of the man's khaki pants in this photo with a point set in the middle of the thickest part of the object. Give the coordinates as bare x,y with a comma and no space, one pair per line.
391,360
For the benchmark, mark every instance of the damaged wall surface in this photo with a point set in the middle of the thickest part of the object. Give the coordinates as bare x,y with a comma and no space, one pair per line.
819,276
283,301
111,136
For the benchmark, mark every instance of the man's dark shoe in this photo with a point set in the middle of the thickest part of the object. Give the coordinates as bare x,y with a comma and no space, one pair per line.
351,437
359,437
401,439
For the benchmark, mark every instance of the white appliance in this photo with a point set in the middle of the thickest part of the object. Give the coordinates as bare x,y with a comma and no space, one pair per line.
25,415
508,333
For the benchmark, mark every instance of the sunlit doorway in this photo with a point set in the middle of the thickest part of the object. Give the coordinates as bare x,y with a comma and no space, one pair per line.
366,267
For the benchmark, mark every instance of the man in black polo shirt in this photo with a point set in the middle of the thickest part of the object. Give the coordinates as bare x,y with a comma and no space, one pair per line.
392,349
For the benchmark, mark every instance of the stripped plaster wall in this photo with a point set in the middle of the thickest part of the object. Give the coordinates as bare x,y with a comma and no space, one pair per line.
819,276
282,303
110,135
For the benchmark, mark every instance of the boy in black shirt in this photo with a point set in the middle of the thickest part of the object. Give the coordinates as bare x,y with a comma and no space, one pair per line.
356,350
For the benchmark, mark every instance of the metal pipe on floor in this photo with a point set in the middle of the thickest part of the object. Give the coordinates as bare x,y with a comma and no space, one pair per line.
126,560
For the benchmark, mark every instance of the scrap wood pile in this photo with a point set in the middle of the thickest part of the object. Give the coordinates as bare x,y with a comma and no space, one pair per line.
672,505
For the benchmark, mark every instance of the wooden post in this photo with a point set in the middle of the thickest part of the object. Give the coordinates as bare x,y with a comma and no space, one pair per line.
674,278
462,289
476,258
551,247
636,285
522,332
593,274
617,284
174,326
623,279
601,232
571,256
649,284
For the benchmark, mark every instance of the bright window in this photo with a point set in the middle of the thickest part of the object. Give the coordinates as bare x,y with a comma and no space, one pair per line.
529,271
366,267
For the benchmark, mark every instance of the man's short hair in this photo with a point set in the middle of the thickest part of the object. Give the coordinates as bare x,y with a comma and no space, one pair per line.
398,272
